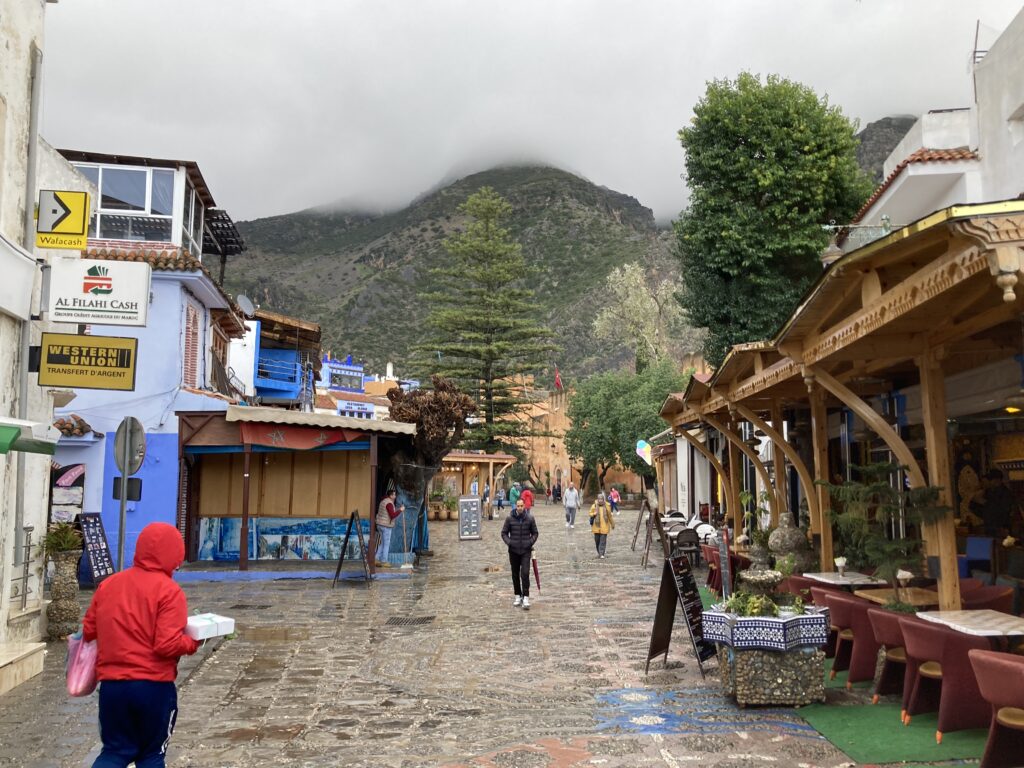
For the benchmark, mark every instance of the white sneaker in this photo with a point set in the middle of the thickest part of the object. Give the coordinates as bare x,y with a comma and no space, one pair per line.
567,525
526,603
517,602
572,526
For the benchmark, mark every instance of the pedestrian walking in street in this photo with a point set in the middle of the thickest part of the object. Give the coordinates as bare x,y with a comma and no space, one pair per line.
387,513
602,522
500,496
527,497
614,499
571,502
514,494
520,534
137,618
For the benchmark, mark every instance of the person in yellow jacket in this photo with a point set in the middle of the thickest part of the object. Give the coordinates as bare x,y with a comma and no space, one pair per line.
601,523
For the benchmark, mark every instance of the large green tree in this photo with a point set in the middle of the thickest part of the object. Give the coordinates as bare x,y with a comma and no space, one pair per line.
482,328
610,411
767,164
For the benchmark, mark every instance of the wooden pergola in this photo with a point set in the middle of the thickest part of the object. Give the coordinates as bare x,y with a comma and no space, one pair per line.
491,465
931,300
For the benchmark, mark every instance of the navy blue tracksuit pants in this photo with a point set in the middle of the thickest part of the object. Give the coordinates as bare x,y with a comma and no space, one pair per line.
136,721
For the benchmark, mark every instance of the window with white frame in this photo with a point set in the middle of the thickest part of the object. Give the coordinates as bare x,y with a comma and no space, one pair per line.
135,203
192,222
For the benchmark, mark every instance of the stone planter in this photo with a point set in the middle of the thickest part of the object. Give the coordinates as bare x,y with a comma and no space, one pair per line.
787,539
62,614
776,678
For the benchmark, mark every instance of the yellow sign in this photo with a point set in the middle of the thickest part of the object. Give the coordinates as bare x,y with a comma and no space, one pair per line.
63,219
88,362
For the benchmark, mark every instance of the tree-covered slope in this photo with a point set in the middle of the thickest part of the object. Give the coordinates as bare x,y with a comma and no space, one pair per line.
358,274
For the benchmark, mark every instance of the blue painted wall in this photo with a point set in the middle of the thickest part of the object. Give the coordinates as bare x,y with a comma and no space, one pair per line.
278,373
159,474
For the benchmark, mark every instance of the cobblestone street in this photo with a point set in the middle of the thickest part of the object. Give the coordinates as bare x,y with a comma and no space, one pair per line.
438,670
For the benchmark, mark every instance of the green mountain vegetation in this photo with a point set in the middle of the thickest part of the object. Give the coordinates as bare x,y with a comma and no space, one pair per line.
359,274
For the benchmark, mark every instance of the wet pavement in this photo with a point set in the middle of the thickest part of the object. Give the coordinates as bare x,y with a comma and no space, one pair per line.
439,670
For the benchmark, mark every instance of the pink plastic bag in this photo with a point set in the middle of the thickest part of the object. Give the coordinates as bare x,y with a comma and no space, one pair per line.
81,665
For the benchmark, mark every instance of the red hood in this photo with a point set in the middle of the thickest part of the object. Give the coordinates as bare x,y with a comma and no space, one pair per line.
159,548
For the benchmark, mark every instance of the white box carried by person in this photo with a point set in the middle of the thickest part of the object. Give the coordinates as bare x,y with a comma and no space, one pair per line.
203,626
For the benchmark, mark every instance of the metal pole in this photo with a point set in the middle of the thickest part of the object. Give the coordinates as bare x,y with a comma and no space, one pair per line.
243,534
125,462
26,561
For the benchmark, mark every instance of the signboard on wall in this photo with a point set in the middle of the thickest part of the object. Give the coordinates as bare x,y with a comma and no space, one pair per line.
88,362
63,219
100,292
67,493
97,550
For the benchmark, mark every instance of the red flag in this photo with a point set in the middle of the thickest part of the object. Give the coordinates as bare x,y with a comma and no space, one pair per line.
558,380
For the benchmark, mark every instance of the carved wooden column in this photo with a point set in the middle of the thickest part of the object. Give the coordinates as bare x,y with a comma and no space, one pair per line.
822,522
734,489
736,441
941,536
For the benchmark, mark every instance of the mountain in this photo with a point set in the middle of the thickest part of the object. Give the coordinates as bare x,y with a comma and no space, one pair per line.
878,139
357,274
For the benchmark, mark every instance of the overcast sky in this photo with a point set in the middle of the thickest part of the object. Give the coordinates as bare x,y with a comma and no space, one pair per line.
289,104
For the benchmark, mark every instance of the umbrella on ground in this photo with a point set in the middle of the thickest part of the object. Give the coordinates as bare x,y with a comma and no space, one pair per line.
536,573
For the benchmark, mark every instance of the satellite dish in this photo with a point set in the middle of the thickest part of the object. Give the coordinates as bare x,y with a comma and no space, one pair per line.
245,304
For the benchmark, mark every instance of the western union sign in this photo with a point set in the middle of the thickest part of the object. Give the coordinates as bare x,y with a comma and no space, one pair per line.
87,362
63,219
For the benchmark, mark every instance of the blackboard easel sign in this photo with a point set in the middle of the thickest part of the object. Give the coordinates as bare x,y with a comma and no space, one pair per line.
97,550
469,517
353,522
679,587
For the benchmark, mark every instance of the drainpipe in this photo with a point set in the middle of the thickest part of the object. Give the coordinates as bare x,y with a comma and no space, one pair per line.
26,326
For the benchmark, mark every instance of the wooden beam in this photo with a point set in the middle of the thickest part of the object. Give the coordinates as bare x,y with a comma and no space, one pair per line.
785,449
779,458
749,452
731,502
823,520
975,324
243,533
874,420
734,490
942,535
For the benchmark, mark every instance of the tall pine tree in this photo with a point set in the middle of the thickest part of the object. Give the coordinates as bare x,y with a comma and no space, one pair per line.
482,330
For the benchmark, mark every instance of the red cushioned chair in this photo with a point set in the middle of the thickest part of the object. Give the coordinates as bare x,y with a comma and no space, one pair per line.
801,587
886,627
715,571
819,596
945,679
706,550
1001,681
966,585
841,615
992,598
863,646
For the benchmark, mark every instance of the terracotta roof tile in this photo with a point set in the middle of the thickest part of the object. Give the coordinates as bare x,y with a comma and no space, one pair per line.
327,402
923,155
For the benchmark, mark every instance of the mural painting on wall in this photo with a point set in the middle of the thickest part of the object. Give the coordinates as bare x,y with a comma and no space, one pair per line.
276,538
67,492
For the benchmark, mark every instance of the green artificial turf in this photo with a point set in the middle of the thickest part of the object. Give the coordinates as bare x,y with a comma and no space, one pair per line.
840,680
873,734
707,597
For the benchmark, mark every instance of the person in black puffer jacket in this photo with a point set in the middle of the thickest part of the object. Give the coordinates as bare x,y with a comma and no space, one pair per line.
520,534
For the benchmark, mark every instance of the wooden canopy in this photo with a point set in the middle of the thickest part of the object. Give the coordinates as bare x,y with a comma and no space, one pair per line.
930,300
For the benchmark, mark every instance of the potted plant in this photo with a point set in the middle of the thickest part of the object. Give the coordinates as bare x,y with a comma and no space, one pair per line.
62,544
865,515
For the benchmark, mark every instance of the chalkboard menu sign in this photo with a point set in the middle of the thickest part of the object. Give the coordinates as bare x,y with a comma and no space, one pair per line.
679,587
97,551
469,517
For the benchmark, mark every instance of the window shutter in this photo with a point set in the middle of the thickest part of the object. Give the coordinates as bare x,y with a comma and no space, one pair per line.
190,375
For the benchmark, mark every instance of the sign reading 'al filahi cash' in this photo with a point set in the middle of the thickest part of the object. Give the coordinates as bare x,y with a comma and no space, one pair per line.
91,291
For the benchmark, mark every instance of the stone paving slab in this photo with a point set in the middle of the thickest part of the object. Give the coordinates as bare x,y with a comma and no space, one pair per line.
321,677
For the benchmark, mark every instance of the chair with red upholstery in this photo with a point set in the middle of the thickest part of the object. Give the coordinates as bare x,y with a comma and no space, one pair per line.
945,679
820,595
966,585
706,552
1001,681
737,563
841,614
886,627
801,587
715,571
992,598
863,646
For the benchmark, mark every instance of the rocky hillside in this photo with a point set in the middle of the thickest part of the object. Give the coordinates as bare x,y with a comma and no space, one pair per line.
877,140
358,274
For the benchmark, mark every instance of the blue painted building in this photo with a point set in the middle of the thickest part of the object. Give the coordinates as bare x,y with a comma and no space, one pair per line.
339,376
160,212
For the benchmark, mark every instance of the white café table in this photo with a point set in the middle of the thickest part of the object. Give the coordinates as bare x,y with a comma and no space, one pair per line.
987,623
848,579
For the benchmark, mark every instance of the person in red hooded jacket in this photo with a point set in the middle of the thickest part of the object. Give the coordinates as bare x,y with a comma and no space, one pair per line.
527,497
138,619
